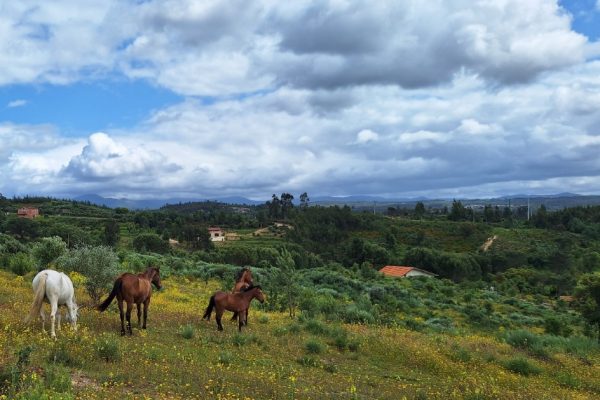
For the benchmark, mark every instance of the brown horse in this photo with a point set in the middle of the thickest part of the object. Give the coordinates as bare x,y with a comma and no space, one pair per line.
133,289
236,302
243,280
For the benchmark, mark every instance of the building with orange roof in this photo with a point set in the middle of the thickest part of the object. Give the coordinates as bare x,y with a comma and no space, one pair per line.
397,271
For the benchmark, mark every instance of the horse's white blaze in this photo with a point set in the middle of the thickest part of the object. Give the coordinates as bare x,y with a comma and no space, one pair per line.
55,288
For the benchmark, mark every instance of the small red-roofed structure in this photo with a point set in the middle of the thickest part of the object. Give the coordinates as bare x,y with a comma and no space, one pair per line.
398,271
28,212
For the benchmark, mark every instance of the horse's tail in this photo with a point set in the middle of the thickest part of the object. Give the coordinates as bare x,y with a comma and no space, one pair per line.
38,298
211,305
115,290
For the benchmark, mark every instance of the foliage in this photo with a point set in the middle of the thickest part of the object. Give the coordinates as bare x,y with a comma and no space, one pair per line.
48,250
21,263
587,296
150,242
99,265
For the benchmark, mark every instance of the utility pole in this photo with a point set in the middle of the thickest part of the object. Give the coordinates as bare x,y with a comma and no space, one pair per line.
528,212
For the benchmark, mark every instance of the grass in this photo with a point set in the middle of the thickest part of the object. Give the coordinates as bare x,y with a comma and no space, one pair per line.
280,360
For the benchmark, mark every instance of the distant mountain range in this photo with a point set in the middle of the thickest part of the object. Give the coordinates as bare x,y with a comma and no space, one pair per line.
156,203
553,201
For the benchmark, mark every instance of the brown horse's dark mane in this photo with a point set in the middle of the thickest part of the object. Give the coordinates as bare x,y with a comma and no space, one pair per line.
248,288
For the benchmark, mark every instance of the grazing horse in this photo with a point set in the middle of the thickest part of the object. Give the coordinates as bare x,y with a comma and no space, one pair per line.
243,280
133,289
236,302
55,288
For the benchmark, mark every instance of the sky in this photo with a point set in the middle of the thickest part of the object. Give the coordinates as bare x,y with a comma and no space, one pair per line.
207,99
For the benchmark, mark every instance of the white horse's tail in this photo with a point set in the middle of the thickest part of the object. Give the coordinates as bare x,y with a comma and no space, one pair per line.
38,299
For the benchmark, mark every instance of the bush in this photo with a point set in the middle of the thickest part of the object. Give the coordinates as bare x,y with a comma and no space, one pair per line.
187,331
108,349
314,346
21,264
353,314
61,354
99,264
522,366
150,242
48,250
58,379
557,326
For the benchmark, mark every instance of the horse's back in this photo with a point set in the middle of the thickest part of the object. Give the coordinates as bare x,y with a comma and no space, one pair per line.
58,285
134,288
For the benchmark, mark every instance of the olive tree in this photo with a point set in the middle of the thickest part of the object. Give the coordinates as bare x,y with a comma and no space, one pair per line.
48,250
98,264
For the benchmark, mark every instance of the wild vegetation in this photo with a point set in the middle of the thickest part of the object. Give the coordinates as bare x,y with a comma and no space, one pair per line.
491,325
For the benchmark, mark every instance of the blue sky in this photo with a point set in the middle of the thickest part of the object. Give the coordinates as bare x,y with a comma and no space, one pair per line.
211,99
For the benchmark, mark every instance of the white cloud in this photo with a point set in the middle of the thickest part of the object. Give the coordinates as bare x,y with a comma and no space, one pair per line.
16,103
485,95
219,48
104,158
366,135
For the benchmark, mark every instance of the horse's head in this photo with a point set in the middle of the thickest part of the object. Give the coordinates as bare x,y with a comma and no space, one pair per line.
258,293
156,277
245,276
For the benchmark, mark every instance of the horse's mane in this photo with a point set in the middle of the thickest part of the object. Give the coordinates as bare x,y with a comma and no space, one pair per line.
239,274
250,287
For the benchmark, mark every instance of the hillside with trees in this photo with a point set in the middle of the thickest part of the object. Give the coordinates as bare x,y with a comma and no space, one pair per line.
533,287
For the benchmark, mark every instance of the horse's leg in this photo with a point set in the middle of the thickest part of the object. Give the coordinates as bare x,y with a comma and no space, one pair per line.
58,318
234,316
72,310
146,305
240,320
128,315
54,308
246,316
122,315
219,314
139,314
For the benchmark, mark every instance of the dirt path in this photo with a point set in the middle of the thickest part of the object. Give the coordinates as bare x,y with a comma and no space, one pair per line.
488,243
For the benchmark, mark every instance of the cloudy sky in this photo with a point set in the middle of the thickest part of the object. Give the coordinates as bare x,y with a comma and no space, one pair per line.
201,99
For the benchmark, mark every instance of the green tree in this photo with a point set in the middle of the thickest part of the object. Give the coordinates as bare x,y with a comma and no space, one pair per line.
111,233
48,250
99,265
287,279
286,204
587,299
420,209
274,206
458,212
150,242
304,200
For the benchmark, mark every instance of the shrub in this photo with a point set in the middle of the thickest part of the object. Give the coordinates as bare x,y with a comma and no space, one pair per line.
58,379
263,319
150,242
108,349
353,314
314,346
315,326
225,357
308,361
99,264
61,354
557,326
187,331
21,263
522,366
48,250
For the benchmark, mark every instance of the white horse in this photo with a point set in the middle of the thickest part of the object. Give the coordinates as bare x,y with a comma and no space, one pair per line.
55,288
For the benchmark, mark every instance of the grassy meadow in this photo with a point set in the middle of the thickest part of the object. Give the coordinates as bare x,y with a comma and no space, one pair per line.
275,357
